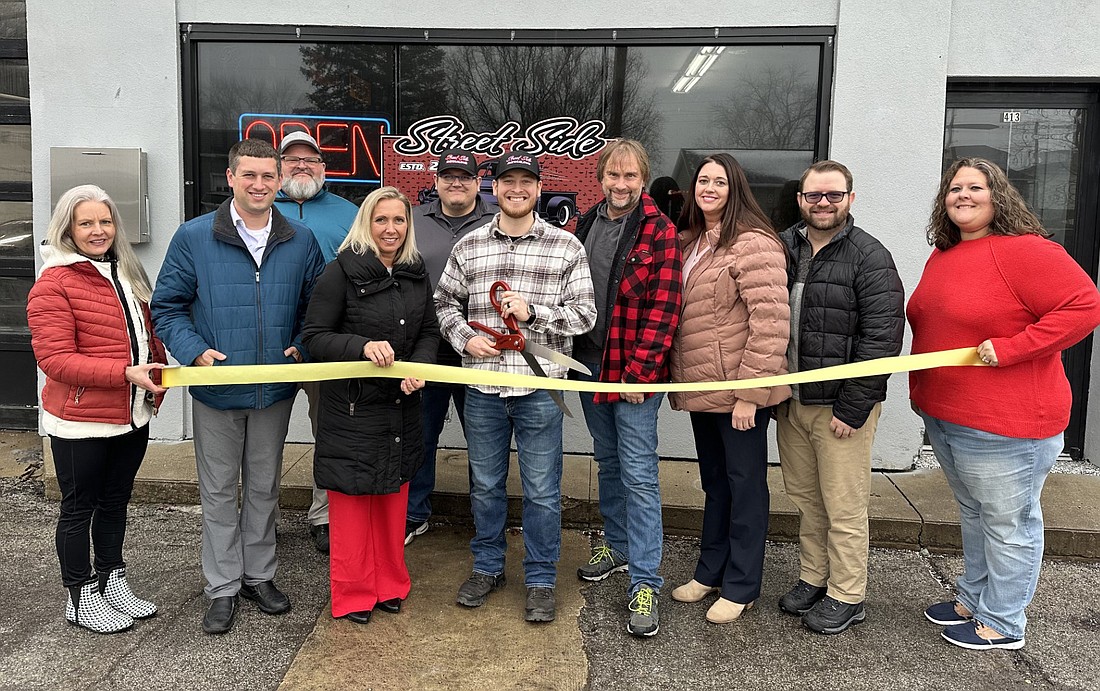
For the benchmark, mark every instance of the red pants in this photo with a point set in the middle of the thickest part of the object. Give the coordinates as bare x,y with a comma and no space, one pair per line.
367,550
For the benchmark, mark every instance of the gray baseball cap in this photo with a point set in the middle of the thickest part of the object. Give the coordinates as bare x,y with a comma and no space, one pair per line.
298,137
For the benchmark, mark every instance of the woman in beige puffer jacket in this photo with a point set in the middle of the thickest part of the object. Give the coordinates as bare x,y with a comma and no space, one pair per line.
735,325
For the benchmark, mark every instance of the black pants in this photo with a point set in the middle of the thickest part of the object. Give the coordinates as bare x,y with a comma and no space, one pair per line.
96,477
733,469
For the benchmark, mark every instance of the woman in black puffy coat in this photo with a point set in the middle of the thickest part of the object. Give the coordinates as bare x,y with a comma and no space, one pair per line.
374,302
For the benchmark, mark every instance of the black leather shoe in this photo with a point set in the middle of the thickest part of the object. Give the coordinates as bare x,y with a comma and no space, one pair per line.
359,617
219,616
392,606
319,533
267,597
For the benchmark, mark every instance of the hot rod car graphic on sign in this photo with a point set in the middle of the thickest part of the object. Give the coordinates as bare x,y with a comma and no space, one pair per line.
555,207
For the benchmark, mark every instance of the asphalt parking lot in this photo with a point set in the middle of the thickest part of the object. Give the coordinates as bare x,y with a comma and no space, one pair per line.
435,644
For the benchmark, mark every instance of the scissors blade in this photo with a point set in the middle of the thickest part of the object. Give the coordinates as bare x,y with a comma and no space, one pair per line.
537,368
556,357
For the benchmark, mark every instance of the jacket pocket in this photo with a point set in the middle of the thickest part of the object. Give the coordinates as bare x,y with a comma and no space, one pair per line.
636,272
358,396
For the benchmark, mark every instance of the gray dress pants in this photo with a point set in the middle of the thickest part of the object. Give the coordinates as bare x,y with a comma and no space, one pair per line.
238,546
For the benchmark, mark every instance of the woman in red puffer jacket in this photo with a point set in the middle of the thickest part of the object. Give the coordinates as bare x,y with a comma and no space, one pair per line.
93,338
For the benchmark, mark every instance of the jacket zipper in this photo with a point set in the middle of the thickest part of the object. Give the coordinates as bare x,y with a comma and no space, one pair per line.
131,333
260,337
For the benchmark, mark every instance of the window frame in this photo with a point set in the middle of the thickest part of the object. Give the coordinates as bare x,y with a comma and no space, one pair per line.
822,36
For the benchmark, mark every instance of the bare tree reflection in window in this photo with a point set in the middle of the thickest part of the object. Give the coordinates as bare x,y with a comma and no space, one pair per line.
423,89
350,78
494,84
775,108
229,95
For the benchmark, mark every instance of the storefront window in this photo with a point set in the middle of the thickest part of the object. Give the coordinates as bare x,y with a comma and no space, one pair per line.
15,153
272,85
15,88
760,102
16,236
13,303
13,20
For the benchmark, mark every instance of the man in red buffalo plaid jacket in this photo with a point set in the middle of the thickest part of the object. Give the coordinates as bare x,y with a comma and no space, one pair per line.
634,256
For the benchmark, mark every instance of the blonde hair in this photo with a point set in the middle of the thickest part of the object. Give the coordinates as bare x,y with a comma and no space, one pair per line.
360,240
59,235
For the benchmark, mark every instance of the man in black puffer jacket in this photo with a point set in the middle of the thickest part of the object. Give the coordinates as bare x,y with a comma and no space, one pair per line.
847,305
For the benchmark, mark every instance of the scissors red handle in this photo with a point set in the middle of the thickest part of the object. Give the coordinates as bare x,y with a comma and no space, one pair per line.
504,341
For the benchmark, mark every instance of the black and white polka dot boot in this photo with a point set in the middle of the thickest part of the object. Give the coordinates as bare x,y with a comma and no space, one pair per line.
88,609
116,591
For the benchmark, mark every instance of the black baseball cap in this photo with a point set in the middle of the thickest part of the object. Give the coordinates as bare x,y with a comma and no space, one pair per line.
457,159
517,161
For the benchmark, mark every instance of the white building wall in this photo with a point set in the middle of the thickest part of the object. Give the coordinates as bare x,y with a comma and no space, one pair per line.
108,74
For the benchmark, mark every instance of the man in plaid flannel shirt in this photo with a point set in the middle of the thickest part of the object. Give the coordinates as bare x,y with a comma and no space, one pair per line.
635,261
551,296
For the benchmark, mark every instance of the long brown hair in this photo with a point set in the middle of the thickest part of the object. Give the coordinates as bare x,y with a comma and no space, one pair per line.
742,212
1010,213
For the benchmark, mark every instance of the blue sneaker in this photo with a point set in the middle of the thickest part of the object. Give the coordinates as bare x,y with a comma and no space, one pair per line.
944,614
966,636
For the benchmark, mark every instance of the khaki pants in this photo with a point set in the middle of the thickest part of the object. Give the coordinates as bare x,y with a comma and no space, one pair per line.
828,479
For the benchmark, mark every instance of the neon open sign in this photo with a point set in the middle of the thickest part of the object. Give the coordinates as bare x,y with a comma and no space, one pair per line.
352,146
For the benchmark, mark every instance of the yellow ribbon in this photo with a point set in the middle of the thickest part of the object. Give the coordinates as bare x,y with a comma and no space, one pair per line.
321,371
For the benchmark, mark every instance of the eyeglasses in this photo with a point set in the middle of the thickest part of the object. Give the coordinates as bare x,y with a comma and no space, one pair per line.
815,197
461,179
313,160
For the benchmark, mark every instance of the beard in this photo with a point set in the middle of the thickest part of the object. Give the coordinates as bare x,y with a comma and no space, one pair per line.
520,210
837,220
300,189
631,201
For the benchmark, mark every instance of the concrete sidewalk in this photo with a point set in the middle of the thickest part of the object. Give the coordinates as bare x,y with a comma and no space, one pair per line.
911,510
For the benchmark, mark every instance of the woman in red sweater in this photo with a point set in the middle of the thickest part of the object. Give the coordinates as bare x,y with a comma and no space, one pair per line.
91,333
995,281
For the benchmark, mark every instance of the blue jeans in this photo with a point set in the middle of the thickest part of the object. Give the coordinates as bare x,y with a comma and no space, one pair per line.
997,482
436,403
536,421
624,438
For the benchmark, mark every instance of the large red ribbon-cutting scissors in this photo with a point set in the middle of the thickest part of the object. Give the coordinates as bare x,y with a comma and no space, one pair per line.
515,340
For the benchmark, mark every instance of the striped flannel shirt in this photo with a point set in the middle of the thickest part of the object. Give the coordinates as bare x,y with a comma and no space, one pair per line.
547,266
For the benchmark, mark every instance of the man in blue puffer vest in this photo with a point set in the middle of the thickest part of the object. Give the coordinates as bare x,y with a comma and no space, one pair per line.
329,216
233,290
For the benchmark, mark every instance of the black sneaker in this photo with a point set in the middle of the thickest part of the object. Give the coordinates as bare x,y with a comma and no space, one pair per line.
830,616
477,587
603,563
319,533
540,605
801,598
414,528
644,617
